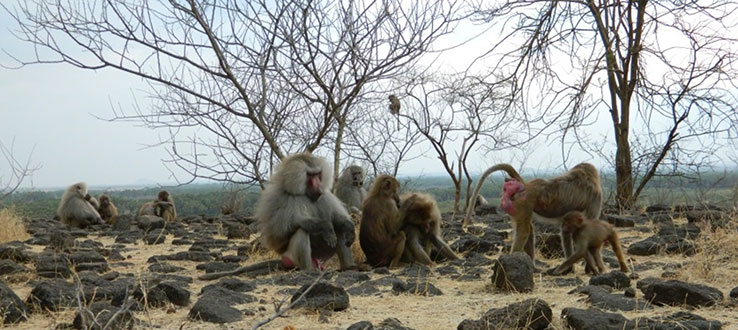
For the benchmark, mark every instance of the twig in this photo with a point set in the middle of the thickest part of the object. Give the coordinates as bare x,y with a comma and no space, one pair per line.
279,312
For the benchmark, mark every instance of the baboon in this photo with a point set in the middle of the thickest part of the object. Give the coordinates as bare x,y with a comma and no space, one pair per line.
350,187
107,210
577,190
301,219
423,228
394,105
381,236
167,208
163,207
74,210
394,108
93,201
589,235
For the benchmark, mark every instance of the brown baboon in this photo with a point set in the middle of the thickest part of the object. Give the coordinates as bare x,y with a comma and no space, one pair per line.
163,207
107,210
589,235
301,219
423,228
167,208
381,236
577,190
75,210
394,108
350,188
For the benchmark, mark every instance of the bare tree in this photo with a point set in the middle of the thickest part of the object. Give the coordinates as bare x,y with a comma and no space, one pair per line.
239,84
16,172
376,140
456,114
663,71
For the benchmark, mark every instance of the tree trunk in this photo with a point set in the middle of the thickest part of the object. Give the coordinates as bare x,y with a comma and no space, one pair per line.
457,194
623,172
337,154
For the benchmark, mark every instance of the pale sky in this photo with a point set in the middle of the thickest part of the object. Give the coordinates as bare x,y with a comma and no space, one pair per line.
52,108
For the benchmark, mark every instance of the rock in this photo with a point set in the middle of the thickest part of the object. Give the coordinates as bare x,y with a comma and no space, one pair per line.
165,268
155,237
216,266
209,309
361,325
15,251
619,220
733,293
392,324
53,295
678,293
472,243
53,266
174,293
123,223
513,272
100,314
473,325
322,296
9,267
603,299
232,284
550,245
416,288
12,307
588,319
528,314
150,222
615,279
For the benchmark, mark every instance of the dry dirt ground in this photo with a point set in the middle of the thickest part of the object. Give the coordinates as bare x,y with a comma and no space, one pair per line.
460,300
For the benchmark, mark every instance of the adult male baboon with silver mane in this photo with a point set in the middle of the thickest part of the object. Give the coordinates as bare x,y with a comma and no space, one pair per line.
350,187
75,210
300,218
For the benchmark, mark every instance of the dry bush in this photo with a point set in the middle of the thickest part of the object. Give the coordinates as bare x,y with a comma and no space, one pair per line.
12,227
718,252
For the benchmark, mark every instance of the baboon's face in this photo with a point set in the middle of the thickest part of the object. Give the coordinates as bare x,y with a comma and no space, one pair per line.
81,191
104,201
357,177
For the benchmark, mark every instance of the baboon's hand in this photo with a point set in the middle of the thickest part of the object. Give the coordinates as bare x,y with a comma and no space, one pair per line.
349,237
330,239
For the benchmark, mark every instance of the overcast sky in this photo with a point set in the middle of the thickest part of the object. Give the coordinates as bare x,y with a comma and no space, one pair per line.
51,110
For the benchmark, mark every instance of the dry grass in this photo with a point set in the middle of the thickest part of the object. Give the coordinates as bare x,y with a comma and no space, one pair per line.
716,261
12,227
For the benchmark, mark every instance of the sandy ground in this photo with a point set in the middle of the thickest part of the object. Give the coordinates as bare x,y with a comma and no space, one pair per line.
461,300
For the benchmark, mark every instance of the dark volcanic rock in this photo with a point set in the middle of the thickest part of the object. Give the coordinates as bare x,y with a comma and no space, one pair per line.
513,272
619,220
528,314
588,319
615,279
53,266
472,243
15,251
601,298
53,295
209,309
322,296
233,284
678,293
217,266
361,325
416,288
550,245
150,222
102,314
165,268
12,307
9,267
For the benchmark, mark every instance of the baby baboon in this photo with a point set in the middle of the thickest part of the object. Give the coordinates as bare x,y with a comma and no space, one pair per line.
423,228
93,201
75,210
589,236
350,188
301,219
381,236
107,210
394,108
577,190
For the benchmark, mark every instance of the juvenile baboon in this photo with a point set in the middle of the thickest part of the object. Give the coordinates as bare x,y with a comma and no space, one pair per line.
93,201
75,210
300,218
381,236
577,190
423,228
589,235
107,210
350,187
